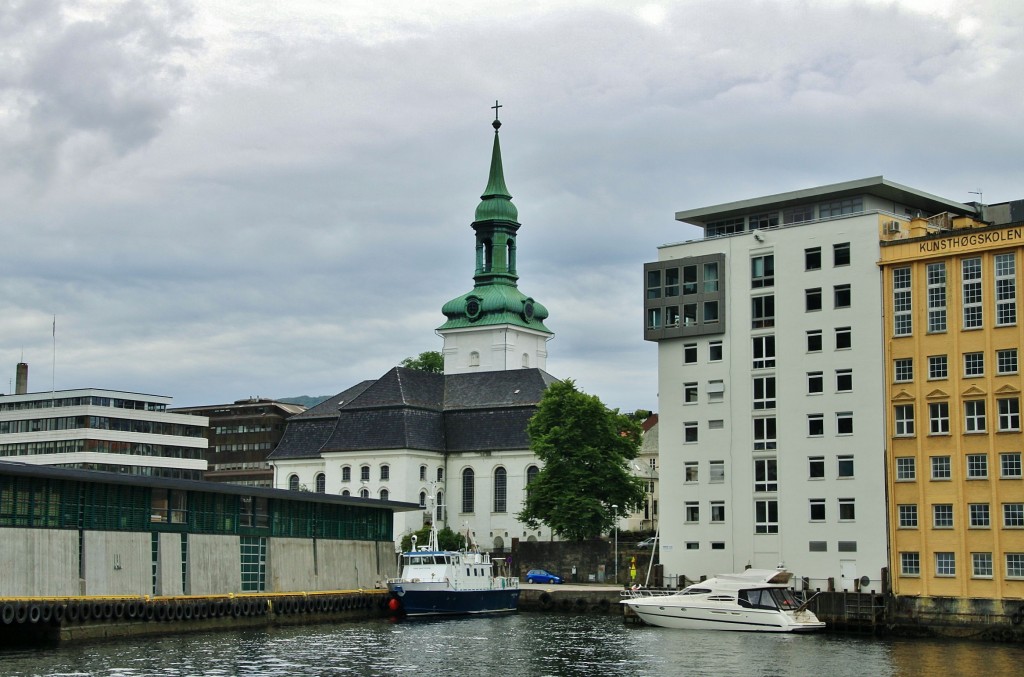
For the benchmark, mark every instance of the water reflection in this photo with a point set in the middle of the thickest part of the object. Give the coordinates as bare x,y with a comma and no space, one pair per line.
524,645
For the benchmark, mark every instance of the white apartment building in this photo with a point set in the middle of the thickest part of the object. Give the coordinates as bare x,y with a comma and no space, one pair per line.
771,404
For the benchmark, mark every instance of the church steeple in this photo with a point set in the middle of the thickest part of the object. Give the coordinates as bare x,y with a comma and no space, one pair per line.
495,298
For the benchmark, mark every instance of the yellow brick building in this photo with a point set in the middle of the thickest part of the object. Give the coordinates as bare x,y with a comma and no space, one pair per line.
952,332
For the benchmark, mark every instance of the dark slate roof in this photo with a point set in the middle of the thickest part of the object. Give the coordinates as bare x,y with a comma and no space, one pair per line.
409,409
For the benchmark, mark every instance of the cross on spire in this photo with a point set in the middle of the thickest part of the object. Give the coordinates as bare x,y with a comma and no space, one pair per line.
497,123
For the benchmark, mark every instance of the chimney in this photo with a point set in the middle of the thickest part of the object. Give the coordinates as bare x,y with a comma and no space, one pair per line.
21,379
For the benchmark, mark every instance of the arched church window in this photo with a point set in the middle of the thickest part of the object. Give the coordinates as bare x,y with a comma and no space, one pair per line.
474,359
346,473
468,490
293,482
384,494
423,473
364,493
440,506
321,483
487,256
531,475
423,499
345,493
500,490
511,255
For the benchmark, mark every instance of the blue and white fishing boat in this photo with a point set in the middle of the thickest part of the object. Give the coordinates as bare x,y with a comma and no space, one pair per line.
435,582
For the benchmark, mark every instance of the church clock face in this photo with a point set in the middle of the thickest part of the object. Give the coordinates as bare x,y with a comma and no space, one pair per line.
473,308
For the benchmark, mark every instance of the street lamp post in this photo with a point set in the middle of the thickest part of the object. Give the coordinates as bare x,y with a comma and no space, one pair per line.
615,511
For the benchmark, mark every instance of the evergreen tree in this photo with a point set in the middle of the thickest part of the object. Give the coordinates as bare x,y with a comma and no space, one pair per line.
586,449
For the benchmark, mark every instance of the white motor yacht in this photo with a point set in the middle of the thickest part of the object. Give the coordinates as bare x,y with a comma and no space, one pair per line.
756,600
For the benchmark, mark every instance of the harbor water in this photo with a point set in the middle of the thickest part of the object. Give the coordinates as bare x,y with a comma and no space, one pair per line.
524,644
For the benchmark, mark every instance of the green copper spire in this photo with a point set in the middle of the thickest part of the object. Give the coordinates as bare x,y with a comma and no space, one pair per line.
495,298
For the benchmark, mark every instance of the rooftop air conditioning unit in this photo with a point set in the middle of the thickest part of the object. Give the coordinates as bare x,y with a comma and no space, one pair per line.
892,227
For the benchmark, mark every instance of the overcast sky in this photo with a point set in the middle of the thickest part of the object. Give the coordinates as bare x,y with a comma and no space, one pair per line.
219,199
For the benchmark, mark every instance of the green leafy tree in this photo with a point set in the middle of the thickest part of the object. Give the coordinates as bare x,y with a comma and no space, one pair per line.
446,539
430,360
586,449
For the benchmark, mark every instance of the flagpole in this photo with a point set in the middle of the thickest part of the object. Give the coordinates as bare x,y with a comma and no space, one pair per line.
53,368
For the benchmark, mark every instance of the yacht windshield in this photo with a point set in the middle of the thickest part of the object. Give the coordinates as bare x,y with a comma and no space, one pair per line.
769,598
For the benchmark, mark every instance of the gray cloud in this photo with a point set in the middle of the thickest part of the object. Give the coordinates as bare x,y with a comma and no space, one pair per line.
219,200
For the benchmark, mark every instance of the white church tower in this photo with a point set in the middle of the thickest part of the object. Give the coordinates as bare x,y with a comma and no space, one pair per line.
494,327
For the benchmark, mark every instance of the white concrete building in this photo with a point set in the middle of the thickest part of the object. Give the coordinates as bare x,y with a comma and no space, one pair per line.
772,429
96,429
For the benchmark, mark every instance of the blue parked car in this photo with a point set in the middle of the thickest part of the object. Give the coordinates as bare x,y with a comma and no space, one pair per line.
541,576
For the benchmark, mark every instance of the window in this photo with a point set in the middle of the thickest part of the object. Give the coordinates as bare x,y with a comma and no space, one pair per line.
817,509
364,493
936,297
844,380
346,473
717,545
764,352
1014,565
945,564
844,338
901,302
815,383
841,296
974,364
971,282
1009,465
762,271
423,499
692,545
938,418
710,311
293,482
812,299
654,318
690,432
812,258
710,278
364,473
690,393
440,474
764,392
468,490
903,369
671,282
690,471
814,341
847,510
689,280
974,416
716,390
1006,290
716,472
653,284
816,467
904,420
384,494
690,353
762,311
385,473
981,564
1013,515
766,517
942,516
938,367
841,254
979,515
941,469
910,564
423,473
1006,361
906,468
1009,413
908,516
321,483
815,425
717,511
845,466
766,475
500,490
692,511
839,207
764,434
844,423
762,221
715,351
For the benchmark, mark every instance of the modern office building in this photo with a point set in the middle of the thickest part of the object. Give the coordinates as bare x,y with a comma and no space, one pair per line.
241,436
772,410
952,334
97,429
